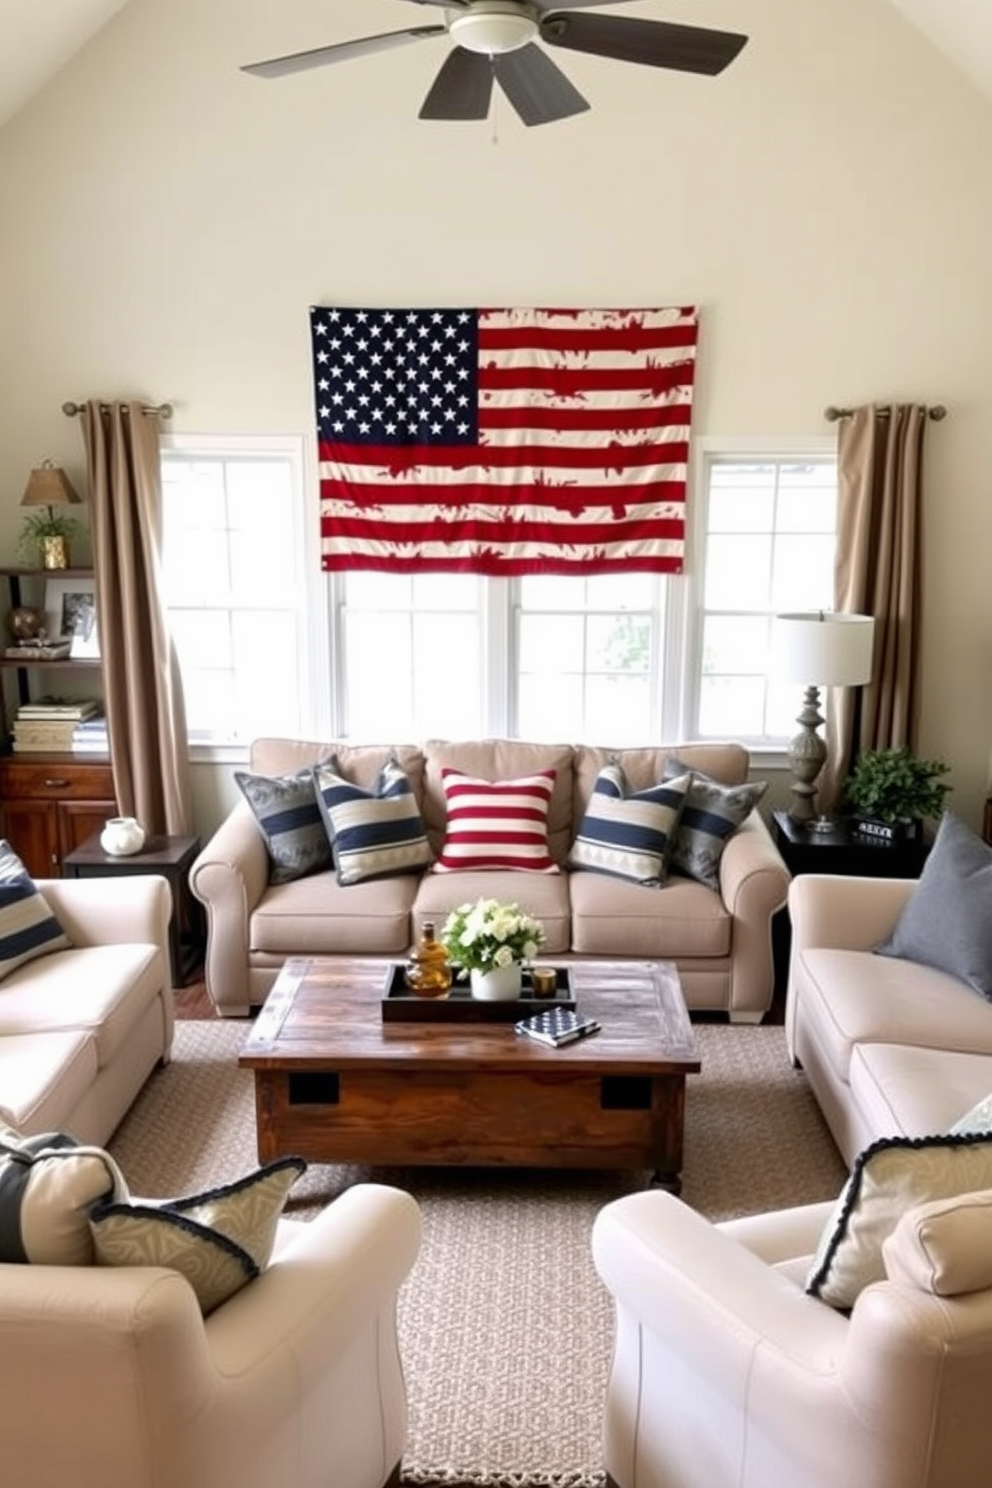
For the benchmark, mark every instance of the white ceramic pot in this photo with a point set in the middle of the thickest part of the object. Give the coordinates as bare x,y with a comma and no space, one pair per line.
502,984
122,836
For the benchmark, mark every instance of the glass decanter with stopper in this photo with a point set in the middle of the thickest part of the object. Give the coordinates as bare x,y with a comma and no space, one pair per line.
428,971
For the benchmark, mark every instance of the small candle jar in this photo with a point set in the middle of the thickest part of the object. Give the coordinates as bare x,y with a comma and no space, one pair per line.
544,980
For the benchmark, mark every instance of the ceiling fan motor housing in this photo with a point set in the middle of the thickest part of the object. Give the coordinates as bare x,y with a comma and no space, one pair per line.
493,26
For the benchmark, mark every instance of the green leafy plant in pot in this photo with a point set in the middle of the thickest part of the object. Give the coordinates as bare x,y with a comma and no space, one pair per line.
889,789
45,538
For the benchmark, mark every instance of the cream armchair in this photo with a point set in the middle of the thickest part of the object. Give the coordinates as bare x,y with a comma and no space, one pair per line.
726,1375
113,1379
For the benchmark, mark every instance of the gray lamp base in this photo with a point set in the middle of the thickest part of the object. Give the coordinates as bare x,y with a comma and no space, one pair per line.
807,754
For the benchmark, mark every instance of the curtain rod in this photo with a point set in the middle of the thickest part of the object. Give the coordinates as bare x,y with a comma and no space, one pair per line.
832,414
71,409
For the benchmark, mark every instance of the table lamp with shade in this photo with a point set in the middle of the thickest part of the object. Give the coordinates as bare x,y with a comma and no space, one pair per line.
818,648
46,533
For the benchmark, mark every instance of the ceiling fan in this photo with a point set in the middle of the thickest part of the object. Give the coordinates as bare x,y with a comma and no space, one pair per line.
495,41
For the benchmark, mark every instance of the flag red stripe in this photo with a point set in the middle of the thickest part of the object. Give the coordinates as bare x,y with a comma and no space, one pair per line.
582,419
613,457
566,496
494,563
570,382
505,531
634,337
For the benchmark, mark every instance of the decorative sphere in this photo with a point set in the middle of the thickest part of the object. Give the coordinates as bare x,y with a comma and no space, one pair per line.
26,622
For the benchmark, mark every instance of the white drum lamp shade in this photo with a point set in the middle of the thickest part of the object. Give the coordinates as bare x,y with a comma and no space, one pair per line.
818,649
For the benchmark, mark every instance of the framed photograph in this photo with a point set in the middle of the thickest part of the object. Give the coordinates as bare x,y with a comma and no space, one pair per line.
70,612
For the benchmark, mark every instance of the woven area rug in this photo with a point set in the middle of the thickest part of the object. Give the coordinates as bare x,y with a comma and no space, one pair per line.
505,1328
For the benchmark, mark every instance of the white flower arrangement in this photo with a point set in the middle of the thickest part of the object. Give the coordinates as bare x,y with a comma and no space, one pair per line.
486,934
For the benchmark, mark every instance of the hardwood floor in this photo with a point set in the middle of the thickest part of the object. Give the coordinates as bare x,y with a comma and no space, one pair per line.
192,1002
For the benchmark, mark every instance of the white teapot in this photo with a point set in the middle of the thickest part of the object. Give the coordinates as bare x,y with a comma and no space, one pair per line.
122,836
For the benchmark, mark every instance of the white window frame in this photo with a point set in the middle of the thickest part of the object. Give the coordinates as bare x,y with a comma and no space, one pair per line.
708,449
314,660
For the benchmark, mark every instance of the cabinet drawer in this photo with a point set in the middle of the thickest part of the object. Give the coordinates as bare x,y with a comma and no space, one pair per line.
54,778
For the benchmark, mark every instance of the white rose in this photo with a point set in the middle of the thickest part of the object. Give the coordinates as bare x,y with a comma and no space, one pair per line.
503,956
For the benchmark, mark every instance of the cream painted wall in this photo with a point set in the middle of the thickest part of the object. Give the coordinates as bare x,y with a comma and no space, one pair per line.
167,220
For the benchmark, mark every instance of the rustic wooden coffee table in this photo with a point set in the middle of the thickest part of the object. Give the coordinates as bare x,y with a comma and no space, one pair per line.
334,1082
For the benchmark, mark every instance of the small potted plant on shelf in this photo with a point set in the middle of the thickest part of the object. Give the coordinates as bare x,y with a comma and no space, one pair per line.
45,538
890,791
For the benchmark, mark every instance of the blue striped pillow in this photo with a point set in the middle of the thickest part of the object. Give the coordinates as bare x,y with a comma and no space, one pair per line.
629,836
375,833
285,808
28,928
711,816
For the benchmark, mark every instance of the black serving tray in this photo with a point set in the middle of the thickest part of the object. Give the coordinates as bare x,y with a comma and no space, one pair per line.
400,1005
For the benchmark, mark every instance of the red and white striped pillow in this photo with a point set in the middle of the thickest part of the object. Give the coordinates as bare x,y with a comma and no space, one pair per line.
495,824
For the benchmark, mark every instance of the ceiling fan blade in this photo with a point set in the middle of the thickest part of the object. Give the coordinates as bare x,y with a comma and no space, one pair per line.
654,43
546,5
462,88
538,89
341,51
466,4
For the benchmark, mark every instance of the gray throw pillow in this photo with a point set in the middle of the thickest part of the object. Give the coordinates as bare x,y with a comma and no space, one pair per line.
285,808
710,817
947,920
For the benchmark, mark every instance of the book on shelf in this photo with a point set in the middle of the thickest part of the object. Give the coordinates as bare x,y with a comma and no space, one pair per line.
30,735
38,651
75,709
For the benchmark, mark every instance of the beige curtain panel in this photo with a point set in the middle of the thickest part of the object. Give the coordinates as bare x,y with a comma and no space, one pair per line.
146,716
880,501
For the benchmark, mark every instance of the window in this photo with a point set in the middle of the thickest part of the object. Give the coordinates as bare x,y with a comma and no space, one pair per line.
235,580
270,645
766,535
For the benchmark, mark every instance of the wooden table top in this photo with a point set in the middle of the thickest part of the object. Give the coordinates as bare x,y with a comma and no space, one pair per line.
326,1011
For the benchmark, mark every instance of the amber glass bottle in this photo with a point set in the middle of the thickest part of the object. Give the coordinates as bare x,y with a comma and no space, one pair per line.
428,971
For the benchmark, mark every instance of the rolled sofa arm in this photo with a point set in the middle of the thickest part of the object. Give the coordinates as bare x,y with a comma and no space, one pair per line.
229,878
754,883
840,913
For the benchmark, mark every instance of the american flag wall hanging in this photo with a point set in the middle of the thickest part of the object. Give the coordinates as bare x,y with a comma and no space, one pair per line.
503,441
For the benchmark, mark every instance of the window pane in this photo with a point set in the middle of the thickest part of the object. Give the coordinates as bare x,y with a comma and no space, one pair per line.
551,643
737,573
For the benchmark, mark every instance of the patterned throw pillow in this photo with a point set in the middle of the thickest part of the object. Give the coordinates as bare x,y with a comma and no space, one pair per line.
711,815
496,824
890,1176
47,1185
28,928
629,836
219,1240
375,833
285,808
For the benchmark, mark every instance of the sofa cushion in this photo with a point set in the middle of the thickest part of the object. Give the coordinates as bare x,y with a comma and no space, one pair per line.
43,1077
946,921
496,825
629,834
28,928
287,814
903,1090
315,916
850,997
681,921
889,1177
711,815
375,834
219,1240
543,895
47,1186
645,766
104,990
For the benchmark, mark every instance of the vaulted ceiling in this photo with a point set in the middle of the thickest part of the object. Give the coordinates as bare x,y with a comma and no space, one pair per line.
38,37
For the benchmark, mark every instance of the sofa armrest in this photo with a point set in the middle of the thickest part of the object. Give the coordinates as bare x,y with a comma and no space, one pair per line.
229,877
112,911
754,883
839,913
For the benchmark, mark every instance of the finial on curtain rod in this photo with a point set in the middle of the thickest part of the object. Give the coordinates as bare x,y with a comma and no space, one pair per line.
163,409
832,414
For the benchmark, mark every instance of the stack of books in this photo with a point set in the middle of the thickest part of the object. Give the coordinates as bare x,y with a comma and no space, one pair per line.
90,736
50,724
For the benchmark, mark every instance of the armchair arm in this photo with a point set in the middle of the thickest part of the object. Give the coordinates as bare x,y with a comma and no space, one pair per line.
840,913
229,878
754,883
112,911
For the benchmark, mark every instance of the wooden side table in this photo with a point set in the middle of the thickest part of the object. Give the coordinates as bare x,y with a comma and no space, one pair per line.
987,821
172,857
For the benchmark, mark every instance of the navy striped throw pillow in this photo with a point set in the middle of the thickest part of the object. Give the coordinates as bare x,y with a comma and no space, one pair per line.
28,928
629,836
377,833
285,808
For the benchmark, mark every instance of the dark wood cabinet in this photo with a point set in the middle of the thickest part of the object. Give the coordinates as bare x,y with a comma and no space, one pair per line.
50,804
987,821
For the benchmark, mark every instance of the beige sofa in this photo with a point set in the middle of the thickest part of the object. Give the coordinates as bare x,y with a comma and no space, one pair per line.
82,1029
890,1047
721,941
